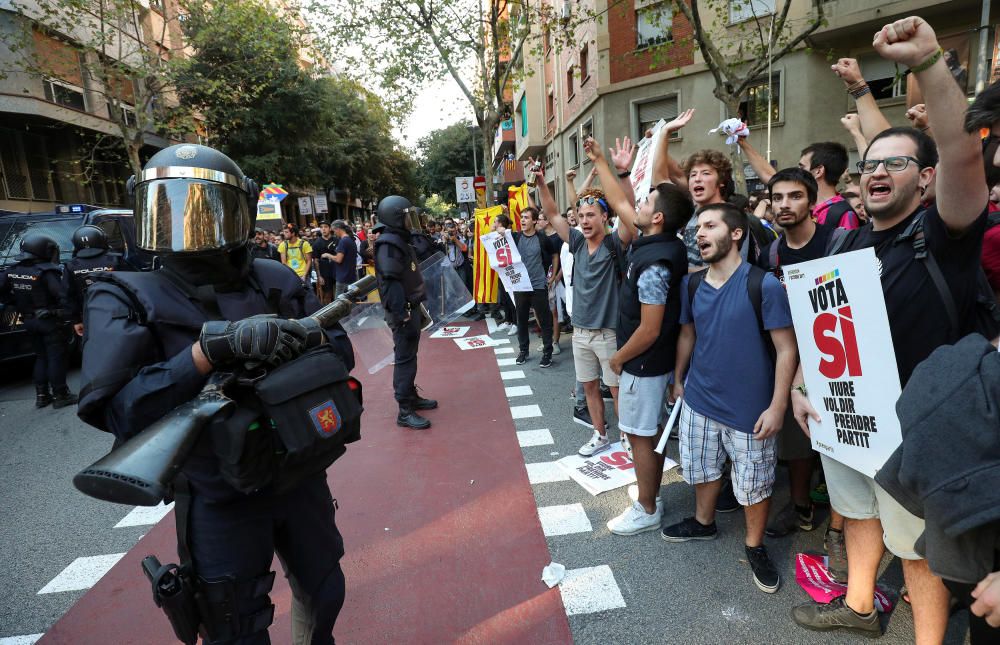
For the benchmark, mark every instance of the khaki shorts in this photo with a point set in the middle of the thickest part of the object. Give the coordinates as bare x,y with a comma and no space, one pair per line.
859,497
592,352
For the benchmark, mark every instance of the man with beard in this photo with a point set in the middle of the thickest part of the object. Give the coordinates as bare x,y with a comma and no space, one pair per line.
896,169
735,393
793,193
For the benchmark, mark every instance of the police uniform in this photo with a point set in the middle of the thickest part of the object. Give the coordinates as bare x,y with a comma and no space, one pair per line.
401,289
153,320
34,287
90,257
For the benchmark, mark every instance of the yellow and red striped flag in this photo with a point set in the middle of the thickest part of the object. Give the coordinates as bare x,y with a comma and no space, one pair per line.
484,279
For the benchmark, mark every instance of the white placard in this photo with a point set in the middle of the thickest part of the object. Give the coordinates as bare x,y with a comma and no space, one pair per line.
604,471
465,190
305,205
642,167
475,342
321,206
505,259
848,361
451,332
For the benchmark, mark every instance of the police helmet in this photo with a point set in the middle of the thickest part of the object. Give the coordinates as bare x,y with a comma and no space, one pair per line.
192,198
397,212
39,247
89,241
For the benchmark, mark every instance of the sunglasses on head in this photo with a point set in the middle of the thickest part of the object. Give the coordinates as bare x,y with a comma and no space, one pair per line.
590,200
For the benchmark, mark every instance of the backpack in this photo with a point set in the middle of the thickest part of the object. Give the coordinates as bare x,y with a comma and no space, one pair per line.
836,212
619,265
986,315
755,292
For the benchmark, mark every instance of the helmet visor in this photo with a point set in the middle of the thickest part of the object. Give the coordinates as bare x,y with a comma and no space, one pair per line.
175,215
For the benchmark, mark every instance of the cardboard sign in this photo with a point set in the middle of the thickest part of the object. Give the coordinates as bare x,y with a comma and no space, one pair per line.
475,342
604,471
642,168
505,259
451,332
814,577
849,365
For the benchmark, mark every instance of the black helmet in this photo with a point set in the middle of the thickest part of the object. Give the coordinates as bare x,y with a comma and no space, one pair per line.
192,198
397,212
40,247
89,241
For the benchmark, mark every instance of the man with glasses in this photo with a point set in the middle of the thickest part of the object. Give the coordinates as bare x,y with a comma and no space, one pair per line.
897,168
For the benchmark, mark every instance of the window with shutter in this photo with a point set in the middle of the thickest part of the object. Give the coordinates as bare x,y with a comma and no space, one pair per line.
650,112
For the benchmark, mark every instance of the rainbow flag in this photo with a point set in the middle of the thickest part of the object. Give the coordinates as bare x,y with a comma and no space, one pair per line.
826,277
484,278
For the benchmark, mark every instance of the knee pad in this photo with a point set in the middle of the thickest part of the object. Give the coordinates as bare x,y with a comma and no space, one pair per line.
233,610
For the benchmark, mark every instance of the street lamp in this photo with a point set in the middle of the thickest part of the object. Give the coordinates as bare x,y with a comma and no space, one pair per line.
475,164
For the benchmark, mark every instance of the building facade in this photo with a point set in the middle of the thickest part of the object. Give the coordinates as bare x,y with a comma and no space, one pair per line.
640,64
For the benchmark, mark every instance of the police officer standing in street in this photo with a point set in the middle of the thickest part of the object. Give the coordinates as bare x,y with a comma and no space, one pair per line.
211,309
401,288
91,254
33,286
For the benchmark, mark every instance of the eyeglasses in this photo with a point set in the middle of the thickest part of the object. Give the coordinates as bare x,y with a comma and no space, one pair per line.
892,164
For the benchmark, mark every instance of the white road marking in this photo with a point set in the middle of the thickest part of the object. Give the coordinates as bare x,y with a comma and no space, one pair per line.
525,411
563,520
545,472
509,376
529,438
518,390
500,341
82,573
506,362
589,590
491,325
28,639
503,350
144,515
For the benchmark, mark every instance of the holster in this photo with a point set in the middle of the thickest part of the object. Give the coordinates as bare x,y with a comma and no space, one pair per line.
174,593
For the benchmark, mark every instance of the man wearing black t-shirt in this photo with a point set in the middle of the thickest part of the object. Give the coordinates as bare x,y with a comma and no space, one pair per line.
896,169
793,193
323,249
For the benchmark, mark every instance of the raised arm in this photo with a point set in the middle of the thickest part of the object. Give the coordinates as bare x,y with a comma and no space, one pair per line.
556,218
571,187
961,184
872,119
665,167
757,162
613,192
852,123
622,156
918,119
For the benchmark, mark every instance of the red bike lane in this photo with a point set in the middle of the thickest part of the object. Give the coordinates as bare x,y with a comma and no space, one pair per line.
440,526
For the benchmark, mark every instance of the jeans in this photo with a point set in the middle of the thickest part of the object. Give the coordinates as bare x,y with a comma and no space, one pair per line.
539,301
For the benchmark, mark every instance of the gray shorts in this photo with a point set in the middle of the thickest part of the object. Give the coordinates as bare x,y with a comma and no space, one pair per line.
642,406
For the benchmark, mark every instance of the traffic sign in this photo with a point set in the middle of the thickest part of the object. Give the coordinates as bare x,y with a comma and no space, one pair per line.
465,189
480,183
305,206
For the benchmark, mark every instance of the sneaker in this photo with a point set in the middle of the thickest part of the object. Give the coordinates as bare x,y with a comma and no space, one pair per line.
581,415
765,574
596,444
606,393
635,520
819,495
541,346
836,550
521,358
689,529
633,494
836,615
502,326
512,331
627,446
546,361
556,349
790,519
727,502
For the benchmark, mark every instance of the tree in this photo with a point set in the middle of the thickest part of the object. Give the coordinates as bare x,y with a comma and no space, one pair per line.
439,207
445,154
122,48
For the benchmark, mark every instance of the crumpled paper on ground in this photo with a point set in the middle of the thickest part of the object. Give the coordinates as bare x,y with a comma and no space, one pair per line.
733,129
553,574
813,576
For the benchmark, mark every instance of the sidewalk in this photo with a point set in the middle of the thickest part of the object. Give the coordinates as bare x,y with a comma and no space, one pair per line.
440,526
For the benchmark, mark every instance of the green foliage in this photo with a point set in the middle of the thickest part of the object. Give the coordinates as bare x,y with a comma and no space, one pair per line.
445,154
438,207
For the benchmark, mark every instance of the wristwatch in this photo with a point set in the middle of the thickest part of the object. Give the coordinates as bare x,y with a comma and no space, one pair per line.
801,388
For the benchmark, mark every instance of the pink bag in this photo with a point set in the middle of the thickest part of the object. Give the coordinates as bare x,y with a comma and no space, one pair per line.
812,575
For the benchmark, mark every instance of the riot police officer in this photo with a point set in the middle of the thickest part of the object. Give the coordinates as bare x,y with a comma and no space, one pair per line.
171,329
91,255
33,286
401,289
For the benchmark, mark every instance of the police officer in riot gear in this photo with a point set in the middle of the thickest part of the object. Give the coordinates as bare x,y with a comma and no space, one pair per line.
91,255
172,328
401,289
33,286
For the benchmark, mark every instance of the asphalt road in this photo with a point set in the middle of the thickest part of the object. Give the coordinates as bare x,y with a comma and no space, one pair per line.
696,592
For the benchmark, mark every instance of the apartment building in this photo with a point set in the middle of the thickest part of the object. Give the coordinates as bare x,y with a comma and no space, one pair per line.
639,65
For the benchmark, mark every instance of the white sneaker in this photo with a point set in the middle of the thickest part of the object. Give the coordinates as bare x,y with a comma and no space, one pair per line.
596,444
541,347
627,445
634,520
513,330
502,326
633,494
556,349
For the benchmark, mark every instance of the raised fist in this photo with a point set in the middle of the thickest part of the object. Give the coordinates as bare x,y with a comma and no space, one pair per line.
909,41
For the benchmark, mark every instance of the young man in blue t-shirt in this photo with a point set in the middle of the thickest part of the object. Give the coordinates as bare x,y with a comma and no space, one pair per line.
735,394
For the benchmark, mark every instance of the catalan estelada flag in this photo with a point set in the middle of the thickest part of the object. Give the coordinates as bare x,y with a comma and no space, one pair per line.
484,279
517,201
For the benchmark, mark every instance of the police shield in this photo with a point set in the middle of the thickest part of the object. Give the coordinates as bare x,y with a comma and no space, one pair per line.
447,297
371,337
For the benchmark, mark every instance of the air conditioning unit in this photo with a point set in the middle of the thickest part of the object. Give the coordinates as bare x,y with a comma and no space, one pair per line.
567,11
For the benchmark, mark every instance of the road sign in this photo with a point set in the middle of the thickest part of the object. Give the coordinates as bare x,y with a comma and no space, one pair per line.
272,193
321,207
464,189
305,205
480,183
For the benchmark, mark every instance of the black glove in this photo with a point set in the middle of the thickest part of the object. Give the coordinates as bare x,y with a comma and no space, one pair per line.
258,339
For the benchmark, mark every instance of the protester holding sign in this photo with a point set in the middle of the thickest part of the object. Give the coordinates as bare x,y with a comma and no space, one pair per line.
915,248
733,314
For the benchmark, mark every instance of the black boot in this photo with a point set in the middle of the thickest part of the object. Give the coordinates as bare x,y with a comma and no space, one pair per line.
407,418
63,397
42,396
420,403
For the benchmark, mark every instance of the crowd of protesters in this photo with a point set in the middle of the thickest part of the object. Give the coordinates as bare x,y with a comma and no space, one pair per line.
677,296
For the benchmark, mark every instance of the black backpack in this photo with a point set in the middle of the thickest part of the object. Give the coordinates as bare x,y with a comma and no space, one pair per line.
986,317
755,292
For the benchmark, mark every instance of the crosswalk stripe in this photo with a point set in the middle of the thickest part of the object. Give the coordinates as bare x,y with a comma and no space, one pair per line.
564,519
545,472
525,411
503,350
82,573
144,515
589,590
506,362
529,438
517,390
27,639
509,376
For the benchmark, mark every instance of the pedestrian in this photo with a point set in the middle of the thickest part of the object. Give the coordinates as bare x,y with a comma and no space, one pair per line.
296,254
402,291
91,255
554,280
344,257
734,390
262,247
33,285
457,249
171,333
323,251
